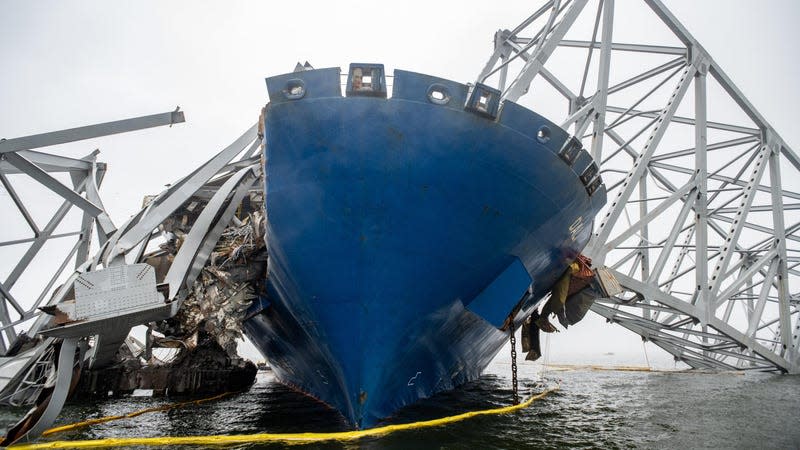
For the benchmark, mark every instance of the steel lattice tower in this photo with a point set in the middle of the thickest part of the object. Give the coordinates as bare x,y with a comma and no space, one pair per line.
699,228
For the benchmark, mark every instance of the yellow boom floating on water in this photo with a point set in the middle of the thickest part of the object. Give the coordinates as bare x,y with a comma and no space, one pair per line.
278,437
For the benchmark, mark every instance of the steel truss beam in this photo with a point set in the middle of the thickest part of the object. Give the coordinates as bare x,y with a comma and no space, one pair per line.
698,235
224,180
17,159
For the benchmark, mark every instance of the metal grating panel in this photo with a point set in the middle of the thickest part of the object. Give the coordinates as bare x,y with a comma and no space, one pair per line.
118,289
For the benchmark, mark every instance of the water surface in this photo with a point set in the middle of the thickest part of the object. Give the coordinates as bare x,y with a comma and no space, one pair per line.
592,409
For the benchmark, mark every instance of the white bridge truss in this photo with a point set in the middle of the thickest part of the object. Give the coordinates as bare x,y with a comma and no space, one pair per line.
26,369
18,161
701,227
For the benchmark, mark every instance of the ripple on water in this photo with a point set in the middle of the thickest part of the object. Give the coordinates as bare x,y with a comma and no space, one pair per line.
593,409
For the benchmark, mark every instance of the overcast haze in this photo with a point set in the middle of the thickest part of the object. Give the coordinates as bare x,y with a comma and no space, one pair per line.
68,64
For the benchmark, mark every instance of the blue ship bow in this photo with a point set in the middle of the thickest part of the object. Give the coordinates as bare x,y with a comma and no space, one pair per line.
403,231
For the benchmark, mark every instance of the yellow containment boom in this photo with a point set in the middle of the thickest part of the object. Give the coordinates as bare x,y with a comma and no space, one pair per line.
297,438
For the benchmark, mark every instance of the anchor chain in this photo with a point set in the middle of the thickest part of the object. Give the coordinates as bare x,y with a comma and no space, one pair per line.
514,363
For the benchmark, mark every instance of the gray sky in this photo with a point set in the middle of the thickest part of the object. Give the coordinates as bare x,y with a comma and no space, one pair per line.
67,64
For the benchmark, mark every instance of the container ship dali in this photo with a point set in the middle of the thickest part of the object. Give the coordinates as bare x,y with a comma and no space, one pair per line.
406,232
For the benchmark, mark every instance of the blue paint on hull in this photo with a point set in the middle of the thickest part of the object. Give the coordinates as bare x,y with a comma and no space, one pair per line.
400,232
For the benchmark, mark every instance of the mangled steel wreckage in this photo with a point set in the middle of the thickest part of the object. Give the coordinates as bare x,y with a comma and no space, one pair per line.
203,334
187,265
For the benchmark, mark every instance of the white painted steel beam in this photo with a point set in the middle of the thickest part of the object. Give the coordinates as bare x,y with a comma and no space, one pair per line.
544,49
91,131
780,248
640,48
51,183
600,98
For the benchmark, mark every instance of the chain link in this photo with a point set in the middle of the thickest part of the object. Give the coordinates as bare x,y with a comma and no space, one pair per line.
514,363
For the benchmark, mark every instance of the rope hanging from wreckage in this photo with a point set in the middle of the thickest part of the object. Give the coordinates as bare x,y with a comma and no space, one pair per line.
297,438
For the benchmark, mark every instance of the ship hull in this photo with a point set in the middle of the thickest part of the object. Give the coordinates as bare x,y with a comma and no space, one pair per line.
402,232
